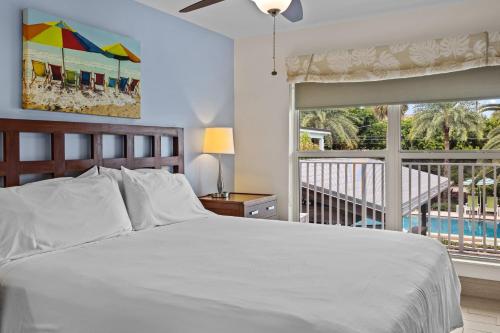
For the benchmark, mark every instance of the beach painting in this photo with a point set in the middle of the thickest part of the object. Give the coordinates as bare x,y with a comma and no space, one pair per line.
72,67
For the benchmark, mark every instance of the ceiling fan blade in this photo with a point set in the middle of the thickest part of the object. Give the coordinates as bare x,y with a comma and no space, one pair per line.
199,5
294,12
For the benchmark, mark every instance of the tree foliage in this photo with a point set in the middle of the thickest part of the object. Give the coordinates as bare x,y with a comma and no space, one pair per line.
339,122
454,122
431,126
306,143
381,111
494,133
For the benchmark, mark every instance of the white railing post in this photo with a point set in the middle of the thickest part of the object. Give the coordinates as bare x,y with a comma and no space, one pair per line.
393,200
363,194
461,208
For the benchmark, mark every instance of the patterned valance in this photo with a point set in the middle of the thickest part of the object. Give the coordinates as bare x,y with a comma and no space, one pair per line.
403,60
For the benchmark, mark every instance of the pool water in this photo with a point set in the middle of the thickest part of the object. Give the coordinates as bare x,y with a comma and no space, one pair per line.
470,228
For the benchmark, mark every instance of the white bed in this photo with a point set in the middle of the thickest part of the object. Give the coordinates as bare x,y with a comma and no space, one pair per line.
227,275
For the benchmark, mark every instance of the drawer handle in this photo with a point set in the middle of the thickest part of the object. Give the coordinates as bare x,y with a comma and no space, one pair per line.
271,208
255,212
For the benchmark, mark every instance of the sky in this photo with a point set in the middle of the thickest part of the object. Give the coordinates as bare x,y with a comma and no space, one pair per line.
411,107
97,36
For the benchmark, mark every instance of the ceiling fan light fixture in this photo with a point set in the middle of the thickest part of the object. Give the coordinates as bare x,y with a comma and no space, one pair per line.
273,6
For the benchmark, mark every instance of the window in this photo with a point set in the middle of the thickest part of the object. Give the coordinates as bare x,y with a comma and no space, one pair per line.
349,128
426,168
451,125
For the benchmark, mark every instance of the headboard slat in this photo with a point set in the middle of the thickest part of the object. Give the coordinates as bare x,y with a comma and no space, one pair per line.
58,153
11,157
157,150
96,148
12,168
33,167
3,169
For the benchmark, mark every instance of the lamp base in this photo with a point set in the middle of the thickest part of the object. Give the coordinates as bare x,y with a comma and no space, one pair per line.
223,195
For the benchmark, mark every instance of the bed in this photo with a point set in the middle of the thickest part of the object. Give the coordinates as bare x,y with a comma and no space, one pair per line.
225,274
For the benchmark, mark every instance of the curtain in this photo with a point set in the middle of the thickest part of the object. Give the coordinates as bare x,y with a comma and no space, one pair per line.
397,61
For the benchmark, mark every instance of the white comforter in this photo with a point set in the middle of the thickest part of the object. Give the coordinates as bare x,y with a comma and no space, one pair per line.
228,275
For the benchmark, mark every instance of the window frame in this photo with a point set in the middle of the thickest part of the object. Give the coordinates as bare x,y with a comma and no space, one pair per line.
393,156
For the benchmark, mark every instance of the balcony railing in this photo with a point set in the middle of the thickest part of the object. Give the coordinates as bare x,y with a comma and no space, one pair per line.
464,213
343,192
455,203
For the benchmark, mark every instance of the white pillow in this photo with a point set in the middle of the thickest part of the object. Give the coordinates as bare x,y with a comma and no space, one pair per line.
155,199
90,172
117,175
52,215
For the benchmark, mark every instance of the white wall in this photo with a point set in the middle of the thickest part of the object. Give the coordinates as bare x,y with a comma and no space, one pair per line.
262,102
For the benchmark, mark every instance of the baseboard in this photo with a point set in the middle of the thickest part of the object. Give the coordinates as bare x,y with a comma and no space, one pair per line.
480,288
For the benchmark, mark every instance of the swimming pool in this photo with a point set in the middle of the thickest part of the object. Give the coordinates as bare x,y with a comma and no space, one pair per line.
442,223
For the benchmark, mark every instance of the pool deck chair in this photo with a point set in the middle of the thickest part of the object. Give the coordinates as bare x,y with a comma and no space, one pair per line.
133,88
99,80
85,80
490,205
39,70
56,75
472,206
123,85
70,78
112,83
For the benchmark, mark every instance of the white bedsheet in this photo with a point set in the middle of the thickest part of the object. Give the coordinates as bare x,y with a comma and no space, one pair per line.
229,275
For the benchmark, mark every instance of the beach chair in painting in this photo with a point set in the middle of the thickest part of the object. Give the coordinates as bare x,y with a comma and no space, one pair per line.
56,75
133,88
123,85
39,70
85,80
491,202
70,78
112,83
99,80
472,206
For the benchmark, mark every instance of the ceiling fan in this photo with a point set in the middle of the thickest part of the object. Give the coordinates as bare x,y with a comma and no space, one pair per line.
290,9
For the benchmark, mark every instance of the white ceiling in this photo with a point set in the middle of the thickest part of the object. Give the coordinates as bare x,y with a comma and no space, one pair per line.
241,18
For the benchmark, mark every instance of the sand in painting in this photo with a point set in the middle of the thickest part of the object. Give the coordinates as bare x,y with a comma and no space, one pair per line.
54,97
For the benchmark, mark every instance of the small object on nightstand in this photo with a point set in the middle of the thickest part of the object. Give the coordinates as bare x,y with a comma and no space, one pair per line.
223,195
257,206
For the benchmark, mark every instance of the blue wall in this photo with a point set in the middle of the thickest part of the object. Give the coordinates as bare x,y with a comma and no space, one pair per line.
187,73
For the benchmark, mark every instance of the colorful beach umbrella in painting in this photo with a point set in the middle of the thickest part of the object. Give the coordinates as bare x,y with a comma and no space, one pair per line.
58,34
119,52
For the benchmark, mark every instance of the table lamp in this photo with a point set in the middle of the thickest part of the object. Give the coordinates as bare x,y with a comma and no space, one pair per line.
219,141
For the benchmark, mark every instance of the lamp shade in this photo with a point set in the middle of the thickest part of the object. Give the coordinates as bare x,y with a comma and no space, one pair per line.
219,141
267,5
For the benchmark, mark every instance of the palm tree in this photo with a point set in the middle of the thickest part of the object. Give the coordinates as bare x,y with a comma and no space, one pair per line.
381,111
338,121
449,120
493,139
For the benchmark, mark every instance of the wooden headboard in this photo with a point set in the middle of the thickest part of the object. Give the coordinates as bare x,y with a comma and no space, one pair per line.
12,168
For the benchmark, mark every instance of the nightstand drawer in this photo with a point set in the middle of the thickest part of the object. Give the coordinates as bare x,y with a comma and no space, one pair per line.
262,211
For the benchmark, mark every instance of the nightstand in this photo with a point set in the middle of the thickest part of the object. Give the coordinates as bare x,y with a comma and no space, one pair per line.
256,206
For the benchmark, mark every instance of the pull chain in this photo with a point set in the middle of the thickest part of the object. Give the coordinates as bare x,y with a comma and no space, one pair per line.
274,72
